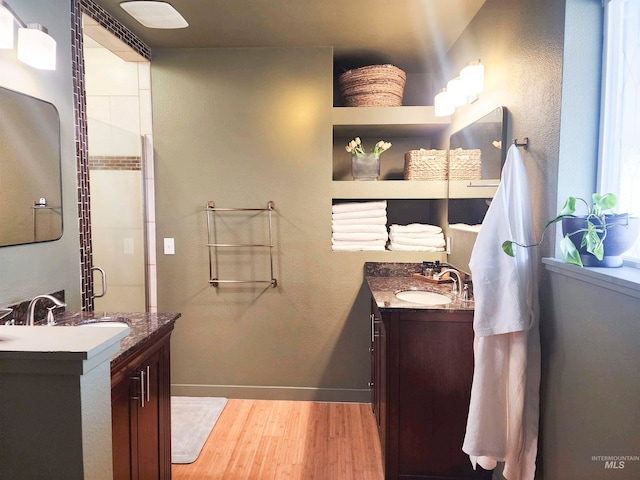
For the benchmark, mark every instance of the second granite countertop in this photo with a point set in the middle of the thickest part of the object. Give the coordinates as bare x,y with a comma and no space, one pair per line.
386,278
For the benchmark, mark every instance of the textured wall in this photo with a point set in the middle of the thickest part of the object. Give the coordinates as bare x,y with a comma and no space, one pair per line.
242,127
29,270
521,45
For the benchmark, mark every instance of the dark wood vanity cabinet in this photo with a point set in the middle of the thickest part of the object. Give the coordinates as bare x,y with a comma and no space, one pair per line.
422,373
141,413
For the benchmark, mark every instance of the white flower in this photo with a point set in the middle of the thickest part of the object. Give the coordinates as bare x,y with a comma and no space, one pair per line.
355,147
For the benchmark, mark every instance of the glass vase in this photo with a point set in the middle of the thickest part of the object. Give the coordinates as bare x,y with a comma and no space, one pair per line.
365,166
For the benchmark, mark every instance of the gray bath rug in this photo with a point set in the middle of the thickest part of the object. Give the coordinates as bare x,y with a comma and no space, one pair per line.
192,419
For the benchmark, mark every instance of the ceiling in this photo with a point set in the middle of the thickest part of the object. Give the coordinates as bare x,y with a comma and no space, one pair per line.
407,33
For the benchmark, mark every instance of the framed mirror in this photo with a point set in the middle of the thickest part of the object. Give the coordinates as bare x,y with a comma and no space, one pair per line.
30,176
483,146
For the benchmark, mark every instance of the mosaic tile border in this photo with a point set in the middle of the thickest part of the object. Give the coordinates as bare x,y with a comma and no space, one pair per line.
105,19
114,163
78,7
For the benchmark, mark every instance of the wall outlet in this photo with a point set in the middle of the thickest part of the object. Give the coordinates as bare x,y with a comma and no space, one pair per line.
169,246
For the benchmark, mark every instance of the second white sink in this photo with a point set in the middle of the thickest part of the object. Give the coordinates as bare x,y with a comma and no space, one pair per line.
423,297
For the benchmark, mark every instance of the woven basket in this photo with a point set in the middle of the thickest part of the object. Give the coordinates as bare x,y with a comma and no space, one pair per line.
465,164
373,86
426,165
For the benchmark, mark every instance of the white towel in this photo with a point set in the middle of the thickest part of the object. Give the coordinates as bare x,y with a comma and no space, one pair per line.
382,220
415,228
358,242
359,228
419,242
417,235
357,237
465,227
504,409
358,206
355,246
398,247
378,212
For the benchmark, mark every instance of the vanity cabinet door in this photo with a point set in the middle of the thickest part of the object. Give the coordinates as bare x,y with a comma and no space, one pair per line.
380,376
141,415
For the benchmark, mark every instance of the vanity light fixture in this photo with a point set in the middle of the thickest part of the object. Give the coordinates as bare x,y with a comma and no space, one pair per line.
472,77
6,26
155,14
460,90
35,46
443,104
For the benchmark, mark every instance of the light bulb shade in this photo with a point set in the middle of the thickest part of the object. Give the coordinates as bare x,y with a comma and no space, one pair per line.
36,48
443,104
472,77
6,27
456,91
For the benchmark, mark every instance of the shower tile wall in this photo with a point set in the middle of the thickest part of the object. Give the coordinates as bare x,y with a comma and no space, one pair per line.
119,113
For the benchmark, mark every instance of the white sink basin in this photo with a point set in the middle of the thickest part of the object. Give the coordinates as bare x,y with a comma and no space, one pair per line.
423,297
104,322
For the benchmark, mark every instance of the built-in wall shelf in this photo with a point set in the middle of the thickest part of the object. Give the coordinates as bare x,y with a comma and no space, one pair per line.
412,121
390,189
401,257
485,188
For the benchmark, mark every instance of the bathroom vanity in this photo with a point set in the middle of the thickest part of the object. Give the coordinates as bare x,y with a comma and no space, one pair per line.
422,370
140,396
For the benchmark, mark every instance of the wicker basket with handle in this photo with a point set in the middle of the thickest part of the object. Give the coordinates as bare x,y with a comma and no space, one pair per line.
426,165
465,164
373,86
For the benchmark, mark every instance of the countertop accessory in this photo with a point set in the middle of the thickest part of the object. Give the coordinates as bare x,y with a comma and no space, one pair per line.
211,210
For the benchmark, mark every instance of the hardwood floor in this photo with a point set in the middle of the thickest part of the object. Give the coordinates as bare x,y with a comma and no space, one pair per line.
266,439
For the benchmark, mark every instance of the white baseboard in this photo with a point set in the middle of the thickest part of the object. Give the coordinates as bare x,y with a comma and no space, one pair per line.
273,393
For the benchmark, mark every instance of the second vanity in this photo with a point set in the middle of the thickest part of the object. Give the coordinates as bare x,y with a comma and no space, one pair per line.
422,370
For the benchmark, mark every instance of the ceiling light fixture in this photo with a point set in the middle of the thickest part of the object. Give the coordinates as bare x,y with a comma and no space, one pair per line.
35,46
155,14
460,90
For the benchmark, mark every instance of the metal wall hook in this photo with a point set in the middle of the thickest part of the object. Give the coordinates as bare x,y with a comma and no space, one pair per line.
525,144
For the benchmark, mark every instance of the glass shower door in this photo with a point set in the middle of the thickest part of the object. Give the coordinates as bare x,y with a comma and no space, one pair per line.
116,182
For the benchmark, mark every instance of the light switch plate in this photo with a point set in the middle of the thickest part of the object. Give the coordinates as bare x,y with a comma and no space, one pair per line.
169,246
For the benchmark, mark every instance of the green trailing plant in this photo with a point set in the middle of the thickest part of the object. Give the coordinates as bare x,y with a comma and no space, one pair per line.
593,234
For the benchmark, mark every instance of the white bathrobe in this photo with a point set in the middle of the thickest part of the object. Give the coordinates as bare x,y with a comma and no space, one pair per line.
504,410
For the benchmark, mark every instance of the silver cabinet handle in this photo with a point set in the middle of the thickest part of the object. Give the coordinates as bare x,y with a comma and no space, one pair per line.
104,282
142,380
148,389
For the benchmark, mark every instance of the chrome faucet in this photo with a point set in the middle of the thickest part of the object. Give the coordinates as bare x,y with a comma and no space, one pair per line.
32,306
4,313
454,288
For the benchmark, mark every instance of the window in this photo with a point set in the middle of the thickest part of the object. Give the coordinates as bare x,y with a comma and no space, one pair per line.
619,169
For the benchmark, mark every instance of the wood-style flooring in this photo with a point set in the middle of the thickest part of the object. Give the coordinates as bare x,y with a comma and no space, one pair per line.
266,439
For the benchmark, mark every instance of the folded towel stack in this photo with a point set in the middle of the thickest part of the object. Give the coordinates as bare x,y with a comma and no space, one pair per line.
416,237
359,226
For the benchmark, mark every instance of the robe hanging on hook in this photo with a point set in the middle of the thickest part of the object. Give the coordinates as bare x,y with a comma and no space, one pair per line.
524,144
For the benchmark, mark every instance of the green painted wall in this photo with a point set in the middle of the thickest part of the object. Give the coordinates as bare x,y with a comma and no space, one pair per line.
29,270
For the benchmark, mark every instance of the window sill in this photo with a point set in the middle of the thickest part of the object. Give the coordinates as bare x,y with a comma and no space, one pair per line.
624,280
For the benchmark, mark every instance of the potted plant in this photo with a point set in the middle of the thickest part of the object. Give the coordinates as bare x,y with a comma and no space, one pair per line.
597,239
365,166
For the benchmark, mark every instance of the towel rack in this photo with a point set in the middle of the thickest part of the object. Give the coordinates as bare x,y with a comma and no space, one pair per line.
211,244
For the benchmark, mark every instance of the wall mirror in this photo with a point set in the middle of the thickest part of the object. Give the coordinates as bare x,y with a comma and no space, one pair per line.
469,198
30,177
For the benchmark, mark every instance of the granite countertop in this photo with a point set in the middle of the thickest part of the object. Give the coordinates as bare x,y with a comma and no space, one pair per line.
386,278
144,326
